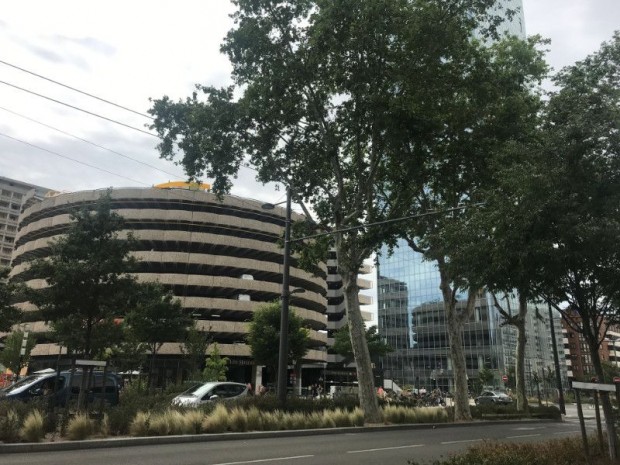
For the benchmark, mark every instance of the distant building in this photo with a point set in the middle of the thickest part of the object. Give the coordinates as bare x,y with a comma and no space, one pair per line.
576,351
14,197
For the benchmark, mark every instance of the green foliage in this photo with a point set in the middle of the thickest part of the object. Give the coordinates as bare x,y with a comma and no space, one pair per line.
377,347
486,376
157,318
9,315
11,356
216,366
264,336
88,281
129,354
195,348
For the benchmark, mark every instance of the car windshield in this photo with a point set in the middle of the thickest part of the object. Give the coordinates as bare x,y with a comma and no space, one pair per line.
28,380
198,390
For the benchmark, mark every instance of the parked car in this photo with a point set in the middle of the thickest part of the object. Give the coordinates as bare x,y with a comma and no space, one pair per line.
209,392
493,397
63,388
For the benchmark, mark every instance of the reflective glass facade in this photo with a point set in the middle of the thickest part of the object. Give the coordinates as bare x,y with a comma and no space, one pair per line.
411,319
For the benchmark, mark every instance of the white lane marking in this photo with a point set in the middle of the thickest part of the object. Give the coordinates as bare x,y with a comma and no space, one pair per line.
459,442
383,448
530,428
275,459
523,436
568,432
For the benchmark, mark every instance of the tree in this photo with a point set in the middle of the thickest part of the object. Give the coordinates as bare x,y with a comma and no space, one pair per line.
376,346
216,366
11,356
195,348
129,354
264,337
478,101
318,105
9,315
486,376
582,156
157,318
571,184
87,273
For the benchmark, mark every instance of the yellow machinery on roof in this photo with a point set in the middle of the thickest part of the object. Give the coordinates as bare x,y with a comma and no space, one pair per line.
192,186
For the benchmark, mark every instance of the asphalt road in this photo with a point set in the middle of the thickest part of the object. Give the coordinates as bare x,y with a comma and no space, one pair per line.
376,448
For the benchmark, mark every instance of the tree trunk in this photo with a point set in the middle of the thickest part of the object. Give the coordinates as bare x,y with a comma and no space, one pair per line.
593,345
522,404
455,324
365,379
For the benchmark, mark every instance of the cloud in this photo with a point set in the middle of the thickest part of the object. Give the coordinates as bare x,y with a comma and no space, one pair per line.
89,43
52,55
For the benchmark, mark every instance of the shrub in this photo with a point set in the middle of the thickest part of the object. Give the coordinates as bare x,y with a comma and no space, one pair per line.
557,452
217,421
255,419
314,420
341,418
357,417
80,427
238,420
10,424
33,429
159,424
296,420
139,426
194,420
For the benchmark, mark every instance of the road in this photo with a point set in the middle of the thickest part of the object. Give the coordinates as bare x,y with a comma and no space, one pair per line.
376,448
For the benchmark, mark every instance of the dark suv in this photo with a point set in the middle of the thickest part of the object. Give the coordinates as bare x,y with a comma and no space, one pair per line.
63,388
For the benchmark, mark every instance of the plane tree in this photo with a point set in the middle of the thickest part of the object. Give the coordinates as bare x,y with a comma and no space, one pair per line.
579,165
481,98
324,94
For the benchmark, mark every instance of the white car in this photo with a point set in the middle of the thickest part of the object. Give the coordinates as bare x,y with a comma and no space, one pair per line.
209,392
493,397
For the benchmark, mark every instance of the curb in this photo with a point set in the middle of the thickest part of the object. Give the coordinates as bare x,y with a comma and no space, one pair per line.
192,438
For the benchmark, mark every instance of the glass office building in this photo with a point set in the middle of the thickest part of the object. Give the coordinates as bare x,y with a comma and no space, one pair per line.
412,321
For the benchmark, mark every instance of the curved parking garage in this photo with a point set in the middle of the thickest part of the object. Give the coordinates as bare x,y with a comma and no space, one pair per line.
220,258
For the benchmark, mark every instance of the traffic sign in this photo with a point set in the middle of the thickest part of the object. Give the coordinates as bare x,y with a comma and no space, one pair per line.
504,378
616,379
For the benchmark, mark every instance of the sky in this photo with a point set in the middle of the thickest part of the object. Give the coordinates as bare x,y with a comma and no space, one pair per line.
130,51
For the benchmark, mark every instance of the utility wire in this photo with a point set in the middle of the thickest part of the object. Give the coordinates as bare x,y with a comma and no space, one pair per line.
79,109
72,159
89,142
76,90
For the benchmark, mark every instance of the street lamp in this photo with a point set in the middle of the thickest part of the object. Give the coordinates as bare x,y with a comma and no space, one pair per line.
283,351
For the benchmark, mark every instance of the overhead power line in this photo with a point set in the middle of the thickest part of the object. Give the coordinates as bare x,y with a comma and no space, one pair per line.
79,109
72,159
76,90
175,175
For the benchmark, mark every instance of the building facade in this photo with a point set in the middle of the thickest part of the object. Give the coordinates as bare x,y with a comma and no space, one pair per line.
14,196
220,258
412,321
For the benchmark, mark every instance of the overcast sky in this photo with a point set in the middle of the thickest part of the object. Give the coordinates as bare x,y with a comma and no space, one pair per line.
128,51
